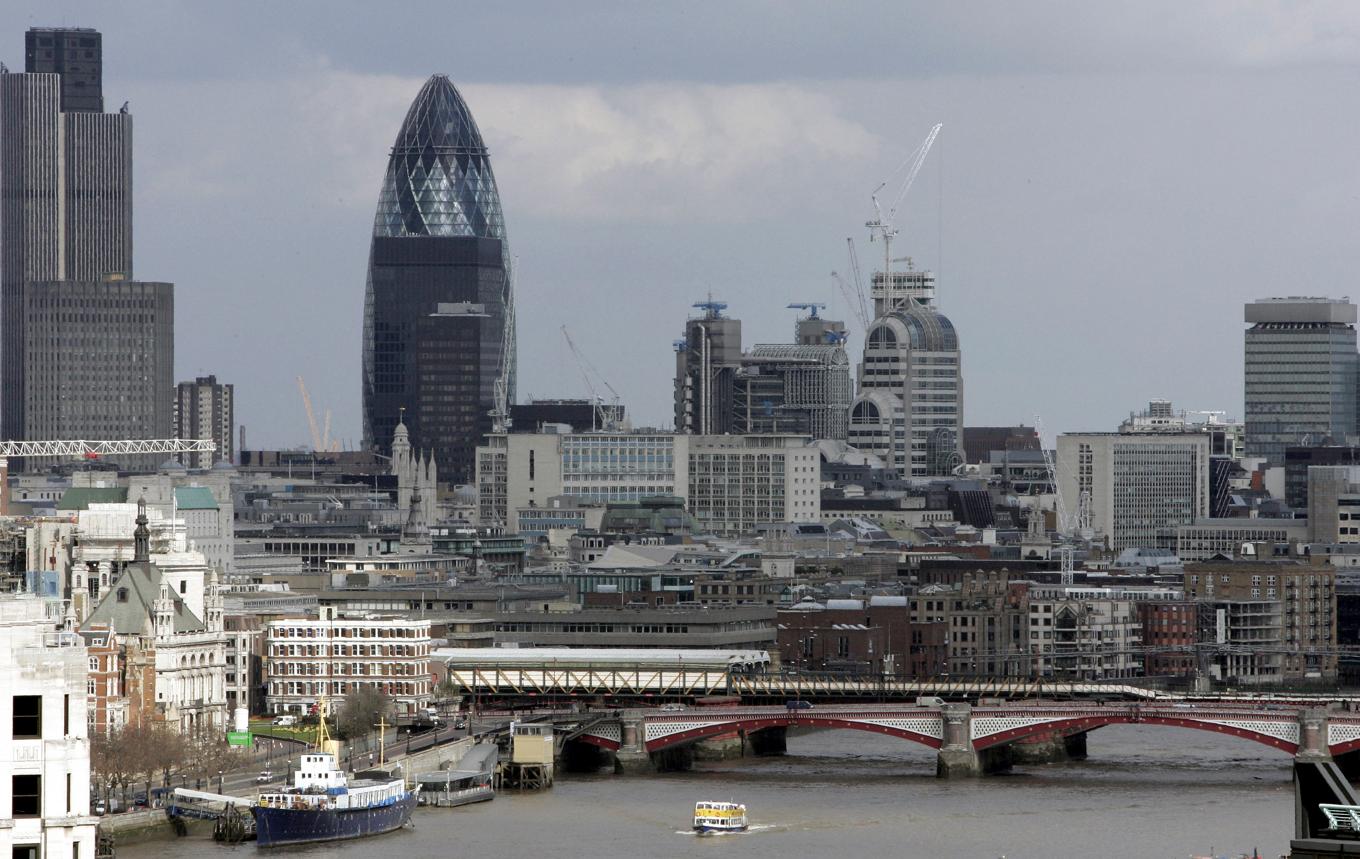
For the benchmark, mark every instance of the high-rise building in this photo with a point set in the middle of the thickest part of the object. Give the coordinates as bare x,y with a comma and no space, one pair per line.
439,329
778,388
1138,487
205,409
74,53
706,364
1301,374
75,324
909,410
98,359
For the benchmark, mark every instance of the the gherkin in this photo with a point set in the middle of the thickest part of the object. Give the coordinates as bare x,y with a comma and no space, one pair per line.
438,324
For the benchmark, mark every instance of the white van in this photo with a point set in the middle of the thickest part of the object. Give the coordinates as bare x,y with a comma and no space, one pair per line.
285,721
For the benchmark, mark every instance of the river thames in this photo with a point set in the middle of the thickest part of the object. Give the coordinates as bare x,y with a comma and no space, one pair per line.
1144,792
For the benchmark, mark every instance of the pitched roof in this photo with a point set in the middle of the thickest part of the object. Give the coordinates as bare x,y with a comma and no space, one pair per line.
194,498
128,605
81,497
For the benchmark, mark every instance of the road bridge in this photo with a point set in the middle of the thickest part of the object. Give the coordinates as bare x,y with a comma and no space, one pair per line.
973,740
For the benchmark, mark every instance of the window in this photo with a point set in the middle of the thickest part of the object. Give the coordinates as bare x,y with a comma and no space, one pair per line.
27,717
27,792
122,594
26,851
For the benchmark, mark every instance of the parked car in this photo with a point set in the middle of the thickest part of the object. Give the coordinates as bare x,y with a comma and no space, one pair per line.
98,807
264,777
285,721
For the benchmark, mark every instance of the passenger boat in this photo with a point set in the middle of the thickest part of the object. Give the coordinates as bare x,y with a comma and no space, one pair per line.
712,817
325,805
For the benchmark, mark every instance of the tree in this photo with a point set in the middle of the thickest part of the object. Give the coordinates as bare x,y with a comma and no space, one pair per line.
360,711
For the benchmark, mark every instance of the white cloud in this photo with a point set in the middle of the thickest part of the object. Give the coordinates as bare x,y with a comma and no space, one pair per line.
658,152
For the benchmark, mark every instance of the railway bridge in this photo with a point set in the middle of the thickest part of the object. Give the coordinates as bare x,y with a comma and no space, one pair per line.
972,740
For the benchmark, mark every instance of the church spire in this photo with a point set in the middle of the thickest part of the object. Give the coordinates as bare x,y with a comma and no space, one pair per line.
141,537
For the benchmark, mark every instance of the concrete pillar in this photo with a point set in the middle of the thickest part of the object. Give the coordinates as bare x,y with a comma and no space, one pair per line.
956,758
769,741
632,757
1313,736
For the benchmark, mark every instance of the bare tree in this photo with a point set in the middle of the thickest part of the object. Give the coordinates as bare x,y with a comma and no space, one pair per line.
360,711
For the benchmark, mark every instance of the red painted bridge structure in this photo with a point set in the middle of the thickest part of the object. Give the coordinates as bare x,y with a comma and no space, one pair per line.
963,731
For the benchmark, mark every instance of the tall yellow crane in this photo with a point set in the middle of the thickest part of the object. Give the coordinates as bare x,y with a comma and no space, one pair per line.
321,439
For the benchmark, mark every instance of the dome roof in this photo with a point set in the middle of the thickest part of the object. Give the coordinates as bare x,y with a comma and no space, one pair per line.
439,180
916,328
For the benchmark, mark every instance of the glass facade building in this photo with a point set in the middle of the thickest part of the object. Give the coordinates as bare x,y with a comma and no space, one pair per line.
438,316
1300,374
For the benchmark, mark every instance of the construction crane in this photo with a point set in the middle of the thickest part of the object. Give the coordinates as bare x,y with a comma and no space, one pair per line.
853,299
1066,551
92,450
810,306
321,439
712,309
500,389
608,416
884,224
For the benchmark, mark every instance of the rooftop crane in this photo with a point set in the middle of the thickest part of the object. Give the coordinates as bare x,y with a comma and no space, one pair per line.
608,416
92,450
884,225
810,306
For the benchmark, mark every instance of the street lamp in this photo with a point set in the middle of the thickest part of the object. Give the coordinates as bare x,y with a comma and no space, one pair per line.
219,781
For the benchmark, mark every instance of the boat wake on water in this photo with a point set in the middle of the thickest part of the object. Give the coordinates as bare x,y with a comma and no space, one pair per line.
751,829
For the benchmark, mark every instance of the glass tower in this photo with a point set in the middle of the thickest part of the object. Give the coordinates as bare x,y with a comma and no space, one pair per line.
439,336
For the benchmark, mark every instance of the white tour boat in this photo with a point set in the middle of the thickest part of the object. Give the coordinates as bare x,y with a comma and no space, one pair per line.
719,817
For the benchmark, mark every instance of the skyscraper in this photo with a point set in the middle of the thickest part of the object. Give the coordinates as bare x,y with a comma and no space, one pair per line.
1301,374
86,350
909,410
439,329
205,409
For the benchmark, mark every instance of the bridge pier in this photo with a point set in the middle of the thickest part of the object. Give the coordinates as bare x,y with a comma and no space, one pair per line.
1053,747
957,758
1313,736
769,741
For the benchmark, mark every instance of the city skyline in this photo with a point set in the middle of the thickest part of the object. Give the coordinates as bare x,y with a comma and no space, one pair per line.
1158,165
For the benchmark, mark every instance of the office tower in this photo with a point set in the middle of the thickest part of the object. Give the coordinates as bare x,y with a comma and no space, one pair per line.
1138,486
706,364
801,387
1300,374
99,359
66,256
909,410
439,330
74,53
204,409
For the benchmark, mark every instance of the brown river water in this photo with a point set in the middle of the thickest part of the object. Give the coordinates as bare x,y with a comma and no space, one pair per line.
1145,791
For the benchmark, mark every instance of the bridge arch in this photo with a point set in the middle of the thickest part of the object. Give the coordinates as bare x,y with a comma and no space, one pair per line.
902,730
1265,733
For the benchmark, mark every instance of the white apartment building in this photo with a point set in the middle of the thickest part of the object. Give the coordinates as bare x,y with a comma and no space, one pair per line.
44,745
730,483
1139,487
330,656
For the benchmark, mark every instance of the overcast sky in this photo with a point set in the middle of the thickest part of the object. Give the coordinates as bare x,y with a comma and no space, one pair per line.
1113,180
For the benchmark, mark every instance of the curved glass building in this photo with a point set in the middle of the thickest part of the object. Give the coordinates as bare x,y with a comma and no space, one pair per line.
439,338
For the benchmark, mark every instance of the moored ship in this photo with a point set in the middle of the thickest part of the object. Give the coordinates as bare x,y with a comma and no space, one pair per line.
325,805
